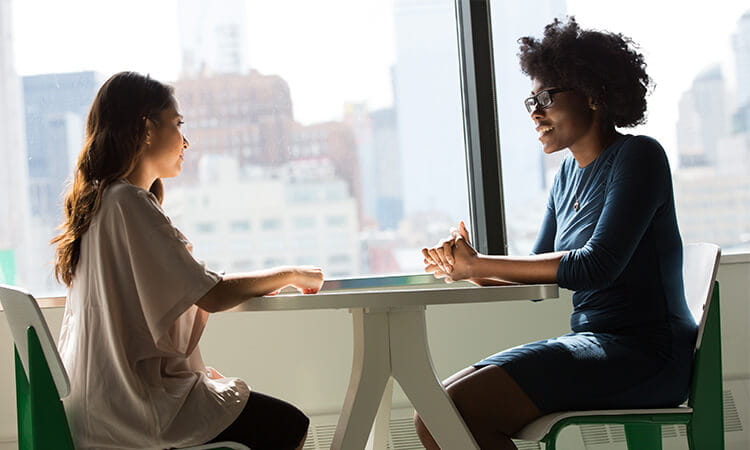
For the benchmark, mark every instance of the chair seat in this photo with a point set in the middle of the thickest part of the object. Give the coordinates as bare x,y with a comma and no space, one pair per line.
538,429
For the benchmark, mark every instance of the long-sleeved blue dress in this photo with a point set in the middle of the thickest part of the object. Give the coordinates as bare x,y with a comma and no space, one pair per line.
633,335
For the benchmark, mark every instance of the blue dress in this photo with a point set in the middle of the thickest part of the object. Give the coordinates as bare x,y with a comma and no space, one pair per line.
633,335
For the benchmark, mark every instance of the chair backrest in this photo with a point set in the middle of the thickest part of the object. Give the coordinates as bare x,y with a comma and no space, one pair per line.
21,311
701,263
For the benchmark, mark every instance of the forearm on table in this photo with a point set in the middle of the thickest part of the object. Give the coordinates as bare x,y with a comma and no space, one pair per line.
518,269
236,288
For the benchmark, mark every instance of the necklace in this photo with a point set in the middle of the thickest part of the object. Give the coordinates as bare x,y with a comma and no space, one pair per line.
588,171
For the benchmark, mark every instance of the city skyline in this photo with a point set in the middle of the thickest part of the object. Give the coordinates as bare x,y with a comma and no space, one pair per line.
392,156
713,181
273,50
306,52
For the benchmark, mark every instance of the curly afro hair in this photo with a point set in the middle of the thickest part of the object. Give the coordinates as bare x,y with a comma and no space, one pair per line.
604,66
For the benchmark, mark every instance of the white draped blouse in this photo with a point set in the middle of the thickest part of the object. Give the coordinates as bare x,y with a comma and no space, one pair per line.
130,333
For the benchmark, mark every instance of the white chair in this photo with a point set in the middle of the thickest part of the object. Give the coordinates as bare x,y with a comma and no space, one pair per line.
41,379
703,413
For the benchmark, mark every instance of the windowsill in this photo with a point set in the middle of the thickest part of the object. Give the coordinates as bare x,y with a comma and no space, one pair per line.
387,282
735,258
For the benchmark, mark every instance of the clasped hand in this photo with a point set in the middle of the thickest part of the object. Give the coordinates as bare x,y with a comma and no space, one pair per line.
451,259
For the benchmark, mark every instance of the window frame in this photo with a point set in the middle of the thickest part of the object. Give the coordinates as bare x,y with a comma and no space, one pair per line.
481,127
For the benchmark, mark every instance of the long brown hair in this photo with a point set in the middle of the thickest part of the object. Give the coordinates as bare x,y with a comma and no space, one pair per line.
115,136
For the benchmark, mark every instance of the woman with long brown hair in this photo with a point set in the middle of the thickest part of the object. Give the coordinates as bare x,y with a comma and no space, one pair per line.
138,301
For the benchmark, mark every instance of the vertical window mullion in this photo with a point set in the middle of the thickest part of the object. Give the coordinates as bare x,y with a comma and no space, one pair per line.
481,130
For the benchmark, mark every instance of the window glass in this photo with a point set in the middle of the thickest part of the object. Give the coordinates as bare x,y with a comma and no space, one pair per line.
240,226
699,109
347,112
205,227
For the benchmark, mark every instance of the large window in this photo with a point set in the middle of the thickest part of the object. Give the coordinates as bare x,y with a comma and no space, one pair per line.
332,132
326,132
698,55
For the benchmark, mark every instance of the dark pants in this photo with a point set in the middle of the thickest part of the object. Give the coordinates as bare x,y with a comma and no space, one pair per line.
267,423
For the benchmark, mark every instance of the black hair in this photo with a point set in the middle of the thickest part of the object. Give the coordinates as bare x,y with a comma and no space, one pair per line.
602,65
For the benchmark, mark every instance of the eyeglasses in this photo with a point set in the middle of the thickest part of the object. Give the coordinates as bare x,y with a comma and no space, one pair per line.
542,99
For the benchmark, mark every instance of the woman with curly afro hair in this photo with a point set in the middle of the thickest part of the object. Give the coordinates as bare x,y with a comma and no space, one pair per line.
609,234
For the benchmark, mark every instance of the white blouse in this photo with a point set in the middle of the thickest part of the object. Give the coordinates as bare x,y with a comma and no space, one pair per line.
130,333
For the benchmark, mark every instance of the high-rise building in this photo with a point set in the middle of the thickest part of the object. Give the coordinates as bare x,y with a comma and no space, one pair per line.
703,119
56,106
714,206
389,193
741,47
14,217
741,119
712,186
248,218
333,142
357,118
213,37
249,118
427,93
380,171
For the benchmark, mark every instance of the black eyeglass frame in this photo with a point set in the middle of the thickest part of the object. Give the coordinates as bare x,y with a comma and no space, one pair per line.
542,99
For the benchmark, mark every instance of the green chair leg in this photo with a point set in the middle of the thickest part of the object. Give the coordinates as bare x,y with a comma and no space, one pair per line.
643,436
706,429
42,423
23,408
550,440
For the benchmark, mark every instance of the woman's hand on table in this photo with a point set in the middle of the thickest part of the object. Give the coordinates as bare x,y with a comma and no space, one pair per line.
307,279
441,255
451,258
463,256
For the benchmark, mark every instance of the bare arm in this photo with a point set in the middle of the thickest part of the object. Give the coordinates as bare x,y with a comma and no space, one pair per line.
239,287
519,269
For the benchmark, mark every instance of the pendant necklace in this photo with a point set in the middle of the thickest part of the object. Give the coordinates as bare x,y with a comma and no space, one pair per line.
586,171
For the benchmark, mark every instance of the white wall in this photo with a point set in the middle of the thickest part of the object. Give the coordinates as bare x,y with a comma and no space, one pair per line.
305,357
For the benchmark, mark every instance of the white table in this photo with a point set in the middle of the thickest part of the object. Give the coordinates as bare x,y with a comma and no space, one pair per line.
390,340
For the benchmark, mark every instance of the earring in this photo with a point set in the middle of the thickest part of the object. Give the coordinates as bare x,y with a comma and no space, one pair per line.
594,107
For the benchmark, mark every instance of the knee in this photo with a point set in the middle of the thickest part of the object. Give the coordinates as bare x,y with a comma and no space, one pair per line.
460,398
476,419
